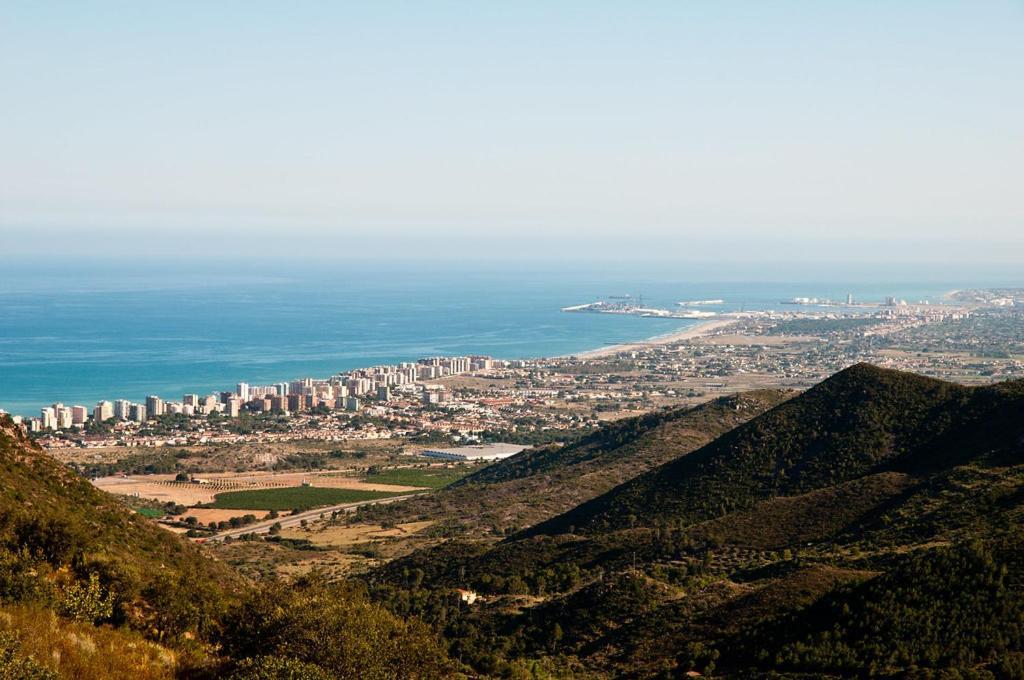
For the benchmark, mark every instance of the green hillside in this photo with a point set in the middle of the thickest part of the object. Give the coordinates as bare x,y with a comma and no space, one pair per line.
57,529
959,606
643,440
871,525
860,421
90,589
545,481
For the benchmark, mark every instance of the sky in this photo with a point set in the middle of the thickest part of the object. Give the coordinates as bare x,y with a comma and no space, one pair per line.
675,131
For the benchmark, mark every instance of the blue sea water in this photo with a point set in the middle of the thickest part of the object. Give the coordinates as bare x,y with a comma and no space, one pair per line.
78,333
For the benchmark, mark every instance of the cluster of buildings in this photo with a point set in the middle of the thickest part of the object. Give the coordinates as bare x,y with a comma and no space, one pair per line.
340,391
526,401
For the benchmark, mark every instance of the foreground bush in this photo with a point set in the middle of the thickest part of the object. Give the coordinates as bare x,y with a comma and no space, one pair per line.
331,627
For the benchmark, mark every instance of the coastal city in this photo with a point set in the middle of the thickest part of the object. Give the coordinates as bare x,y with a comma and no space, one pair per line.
511,341
316,458
477,398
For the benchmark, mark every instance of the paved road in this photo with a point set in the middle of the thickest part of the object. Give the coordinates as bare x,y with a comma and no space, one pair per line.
263,526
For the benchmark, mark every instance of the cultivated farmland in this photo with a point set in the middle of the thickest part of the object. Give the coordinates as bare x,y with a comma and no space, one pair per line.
433,478
298,497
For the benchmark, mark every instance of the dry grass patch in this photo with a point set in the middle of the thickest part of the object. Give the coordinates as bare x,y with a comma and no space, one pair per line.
343,536
80,650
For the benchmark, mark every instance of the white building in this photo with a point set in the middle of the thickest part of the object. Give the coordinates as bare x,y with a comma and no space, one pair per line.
63,418
154,406
138,413
103,412
47,418
122,409
485,452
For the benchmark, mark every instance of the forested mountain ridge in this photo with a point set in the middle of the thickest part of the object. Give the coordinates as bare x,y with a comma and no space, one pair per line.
869,526
541,482
649,434
862,420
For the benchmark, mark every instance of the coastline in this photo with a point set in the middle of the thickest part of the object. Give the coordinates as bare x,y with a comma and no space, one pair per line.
695,331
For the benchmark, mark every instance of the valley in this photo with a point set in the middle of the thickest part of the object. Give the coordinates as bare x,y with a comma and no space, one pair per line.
725,533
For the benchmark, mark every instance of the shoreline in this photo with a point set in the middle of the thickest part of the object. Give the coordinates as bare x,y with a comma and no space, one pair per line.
697,330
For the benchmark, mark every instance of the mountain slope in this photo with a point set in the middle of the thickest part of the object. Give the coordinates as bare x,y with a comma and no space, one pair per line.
861,420
959,606
539,483
57,526
653,435
870,523
89,589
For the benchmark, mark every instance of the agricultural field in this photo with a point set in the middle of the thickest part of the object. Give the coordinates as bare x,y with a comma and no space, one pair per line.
166,488
431,478
297,497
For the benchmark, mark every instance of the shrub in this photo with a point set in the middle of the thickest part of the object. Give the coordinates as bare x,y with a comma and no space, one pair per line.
14,666
332,627
278,668
87,602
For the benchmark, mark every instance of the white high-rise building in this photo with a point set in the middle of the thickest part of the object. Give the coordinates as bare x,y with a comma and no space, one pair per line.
154,406
242,390
63,418
138,413
303,386
357,386
122,409
103,412
47,418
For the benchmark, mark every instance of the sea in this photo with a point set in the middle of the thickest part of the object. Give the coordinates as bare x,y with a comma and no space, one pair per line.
78,332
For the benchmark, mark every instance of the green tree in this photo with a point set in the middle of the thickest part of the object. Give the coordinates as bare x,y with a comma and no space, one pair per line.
14,666
278,668
88,602
335,628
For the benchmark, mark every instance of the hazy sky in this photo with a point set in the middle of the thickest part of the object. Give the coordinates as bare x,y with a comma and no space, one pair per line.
681,130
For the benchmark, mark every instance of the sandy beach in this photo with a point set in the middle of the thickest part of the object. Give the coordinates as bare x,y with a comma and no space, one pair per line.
695,331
